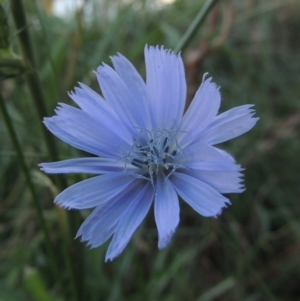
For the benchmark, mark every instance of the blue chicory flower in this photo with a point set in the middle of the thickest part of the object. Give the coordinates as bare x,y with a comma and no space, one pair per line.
147,149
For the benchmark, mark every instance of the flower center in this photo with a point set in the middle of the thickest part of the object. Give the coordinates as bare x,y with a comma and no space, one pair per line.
154,152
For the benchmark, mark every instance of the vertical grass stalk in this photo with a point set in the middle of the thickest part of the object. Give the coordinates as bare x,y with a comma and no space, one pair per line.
25,169
199,19
73,249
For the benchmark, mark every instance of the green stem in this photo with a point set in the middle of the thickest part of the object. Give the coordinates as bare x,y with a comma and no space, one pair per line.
25,169
31,74
42,21
73,249
191,31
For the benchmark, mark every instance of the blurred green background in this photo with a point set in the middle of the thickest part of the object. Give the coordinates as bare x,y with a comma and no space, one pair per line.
251,48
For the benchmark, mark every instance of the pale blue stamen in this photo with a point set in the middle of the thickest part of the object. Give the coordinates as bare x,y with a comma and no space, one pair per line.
157,154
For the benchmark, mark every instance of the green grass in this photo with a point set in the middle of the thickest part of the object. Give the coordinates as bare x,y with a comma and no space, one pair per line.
251,252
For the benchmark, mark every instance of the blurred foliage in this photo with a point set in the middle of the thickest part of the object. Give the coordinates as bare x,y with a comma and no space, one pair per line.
251,252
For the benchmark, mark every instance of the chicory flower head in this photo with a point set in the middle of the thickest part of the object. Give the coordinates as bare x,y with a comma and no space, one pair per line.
147,149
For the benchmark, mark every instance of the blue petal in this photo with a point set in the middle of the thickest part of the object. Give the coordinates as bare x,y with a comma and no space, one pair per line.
136,88
166,210
119,98
51,124
85,132
166,86
93,104
200,196
102,223
90,101
229,125
132,218
201,112
86,165
222,181
93,192
213,166
202,156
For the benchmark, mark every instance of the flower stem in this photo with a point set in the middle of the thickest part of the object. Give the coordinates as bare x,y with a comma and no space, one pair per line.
31,74
25,169
73,250
191,31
